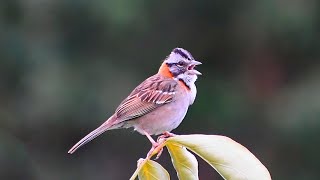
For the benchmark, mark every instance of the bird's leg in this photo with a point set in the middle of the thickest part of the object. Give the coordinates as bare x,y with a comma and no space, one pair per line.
154,144
162,138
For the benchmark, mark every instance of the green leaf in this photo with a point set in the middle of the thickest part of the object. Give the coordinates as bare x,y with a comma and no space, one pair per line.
231,160
183,161
151,170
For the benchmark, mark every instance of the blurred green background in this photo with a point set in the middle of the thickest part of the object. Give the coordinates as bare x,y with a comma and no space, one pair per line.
65,65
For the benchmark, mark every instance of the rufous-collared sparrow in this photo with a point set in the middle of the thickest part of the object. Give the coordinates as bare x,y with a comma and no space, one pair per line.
158,104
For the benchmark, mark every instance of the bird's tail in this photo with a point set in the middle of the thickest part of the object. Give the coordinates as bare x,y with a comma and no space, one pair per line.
95,133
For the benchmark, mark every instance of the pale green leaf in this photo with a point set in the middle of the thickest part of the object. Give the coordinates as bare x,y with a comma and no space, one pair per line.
141,162
152,170
232,160
183,161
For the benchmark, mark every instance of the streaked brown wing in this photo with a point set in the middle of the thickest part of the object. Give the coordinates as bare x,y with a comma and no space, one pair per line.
150,94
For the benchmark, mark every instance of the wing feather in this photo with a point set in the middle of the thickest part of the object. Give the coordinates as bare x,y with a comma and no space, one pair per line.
150,94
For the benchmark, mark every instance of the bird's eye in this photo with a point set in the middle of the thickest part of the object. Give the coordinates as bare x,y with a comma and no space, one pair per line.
180,63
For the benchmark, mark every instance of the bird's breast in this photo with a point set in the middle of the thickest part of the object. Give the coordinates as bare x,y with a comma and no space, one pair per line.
163,118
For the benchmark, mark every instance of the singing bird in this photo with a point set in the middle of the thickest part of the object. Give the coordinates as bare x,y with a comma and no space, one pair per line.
159,104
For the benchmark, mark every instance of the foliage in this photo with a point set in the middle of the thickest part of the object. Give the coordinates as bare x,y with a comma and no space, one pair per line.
229,158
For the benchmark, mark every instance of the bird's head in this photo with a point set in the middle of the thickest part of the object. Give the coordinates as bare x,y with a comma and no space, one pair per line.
180,65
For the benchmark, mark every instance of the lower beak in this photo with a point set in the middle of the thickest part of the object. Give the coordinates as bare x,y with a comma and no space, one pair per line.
193,71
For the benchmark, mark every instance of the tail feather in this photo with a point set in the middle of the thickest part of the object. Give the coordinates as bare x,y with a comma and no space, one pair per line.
95,133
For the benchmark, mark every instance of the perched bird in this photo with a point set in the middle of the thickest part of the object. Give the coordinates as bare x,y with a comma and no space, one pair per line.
158,104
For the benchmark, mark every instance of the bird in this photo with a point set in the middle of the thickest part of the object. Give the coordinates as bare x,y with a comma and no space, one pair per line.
159,104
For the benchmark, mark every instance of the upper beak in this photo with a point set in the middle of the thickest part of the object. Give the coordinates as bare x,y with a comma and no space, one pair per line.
193,64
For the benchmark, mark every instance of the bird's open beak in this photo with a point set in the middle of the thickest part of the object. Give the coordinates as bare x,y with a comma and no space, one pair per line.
191,67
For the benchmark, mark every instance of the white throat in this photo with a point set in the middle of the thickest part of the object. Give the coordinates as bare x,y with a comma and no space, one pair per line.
189,80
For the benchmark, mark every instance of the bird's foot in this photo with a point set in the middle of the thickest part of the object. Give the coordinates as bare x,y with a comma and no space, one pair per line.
159,154
157,146
165,135
161,139
155,149
168,134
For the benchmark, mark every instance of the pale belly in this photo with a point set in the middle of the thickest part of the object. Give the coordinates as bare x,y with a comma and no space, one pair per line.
164,118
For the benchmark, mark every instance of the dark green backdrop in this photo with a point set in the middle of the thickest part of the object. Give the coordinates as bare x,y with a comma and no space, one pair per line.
65,65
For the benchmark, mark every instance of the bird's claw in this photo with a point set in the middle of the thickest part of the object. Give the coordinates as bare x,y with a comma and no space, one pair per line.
154,149
159,154
160,140
165,135
168,134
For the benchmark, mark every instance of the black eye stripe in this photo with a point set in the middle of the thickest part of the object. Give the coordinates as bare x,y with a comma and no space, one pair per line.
181,63
176,70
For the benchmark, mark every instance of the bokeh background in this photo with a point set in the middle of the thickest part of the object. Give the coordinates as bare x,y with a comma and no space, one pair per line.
65,65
